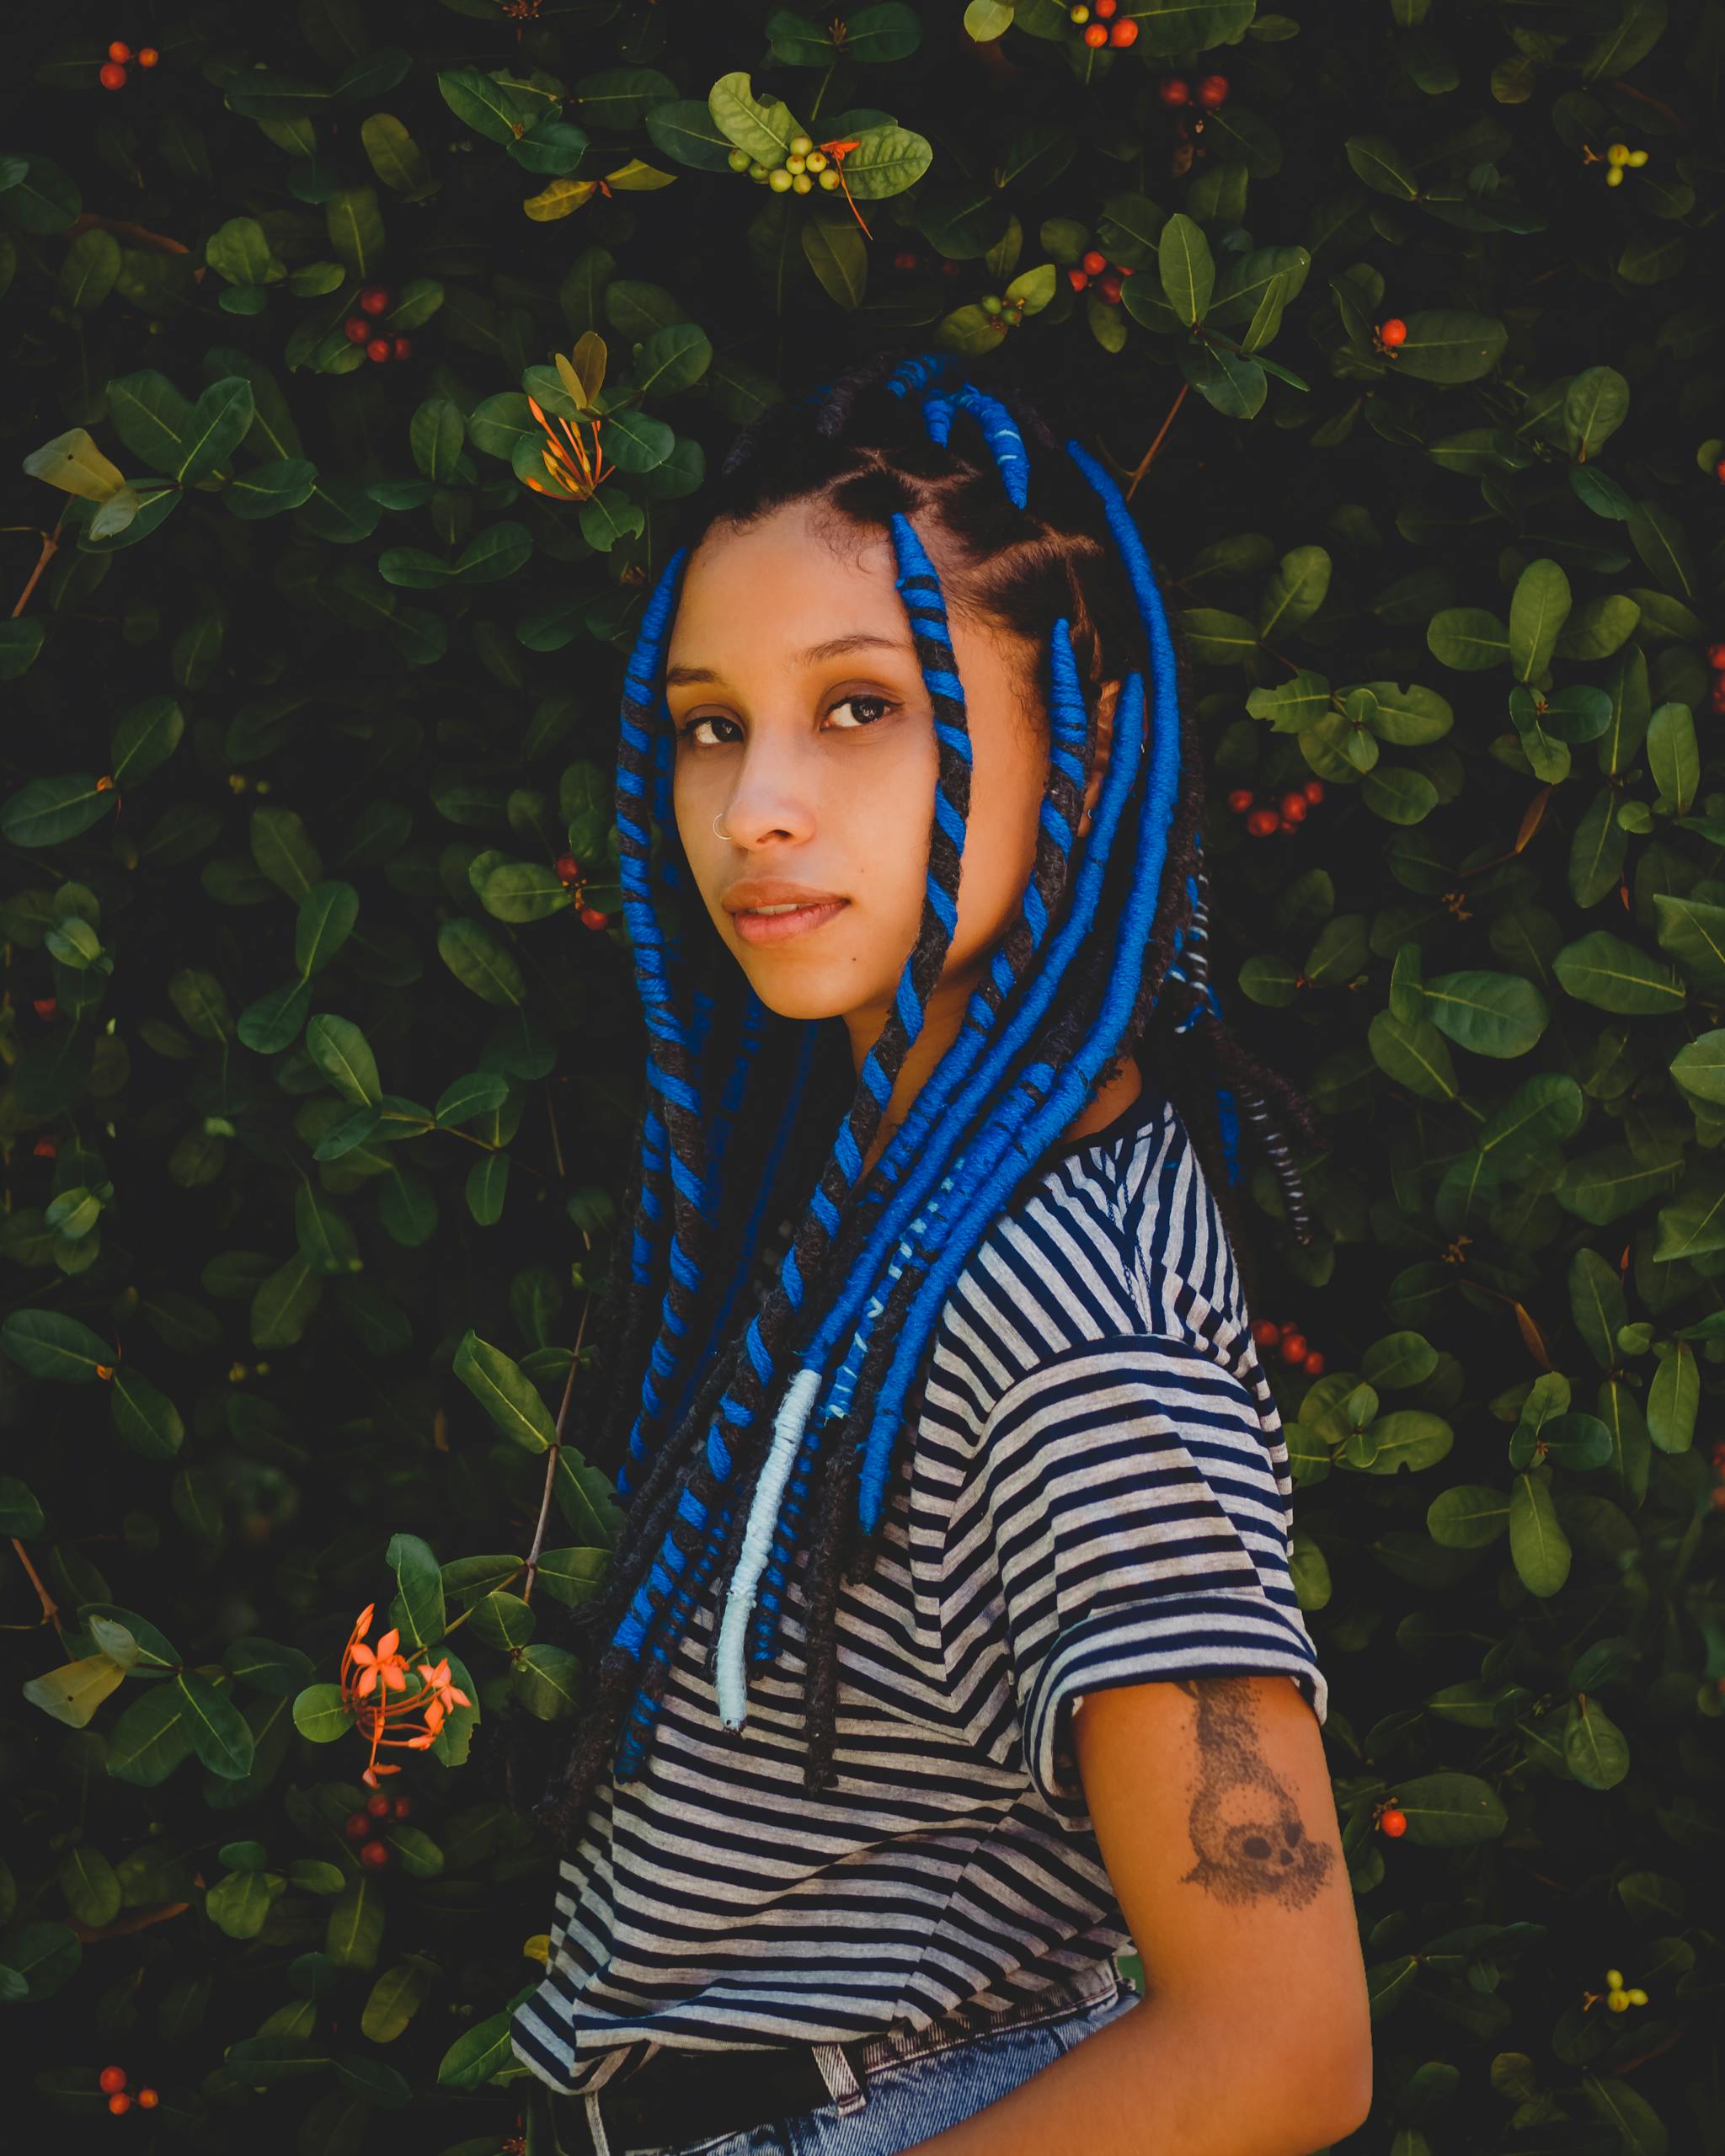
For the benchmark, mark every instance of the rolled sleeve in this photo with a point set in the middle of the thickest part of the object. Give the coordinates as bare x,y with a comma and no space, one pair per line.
1139,1503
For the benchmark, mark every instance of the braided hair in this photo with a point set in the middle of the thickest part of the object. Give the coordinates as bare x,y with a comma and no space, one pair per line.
734,1441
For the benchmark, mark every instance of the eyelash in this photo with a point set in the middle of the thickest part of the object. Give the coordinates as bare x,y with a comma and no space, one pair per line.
857,696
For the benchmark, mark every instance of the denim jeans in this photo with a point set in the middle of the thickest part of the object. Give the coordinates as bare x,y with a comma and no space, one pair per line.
919,2085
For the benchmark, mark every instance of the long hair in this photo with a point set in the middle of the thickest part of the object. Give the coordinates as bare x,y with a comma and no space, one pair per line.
736,1438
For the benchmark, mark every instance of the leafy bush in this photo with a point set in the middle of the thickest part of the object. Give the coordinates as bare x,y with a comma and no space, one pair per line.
321,1040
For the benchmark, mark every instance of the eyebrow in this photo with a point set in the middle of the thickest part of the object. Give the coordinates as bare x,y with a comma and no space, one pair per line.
833,648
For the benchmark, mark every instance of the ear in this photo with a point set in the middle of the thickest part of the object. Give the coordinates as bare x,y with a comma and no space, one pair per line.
1106,701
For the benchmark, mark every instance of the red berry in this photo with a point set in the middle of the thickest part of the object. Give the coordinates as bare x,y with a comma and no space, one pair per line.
148,2099
1095,263
44,1007
1719,469
1715,696
1262,822
374,299
1096,33
1295,807
1103,7
404,1807
1313,1365
112,77
111,2079
119,50
380,1805
378,349
148,57
1241,799
1716,657
375,1855
1287,1326
1293,1347
1123,32
1111,285
1393,1823
401,347
1174,89
1077,279
1263,1331
1212,90
905,258
1313,789
357,328
566,867
119,2103
356,1826
592,918
1392,333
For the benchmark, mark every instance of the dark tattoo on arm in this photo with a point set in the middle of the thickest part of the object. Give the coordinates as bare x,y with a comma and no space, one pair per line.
1252,1844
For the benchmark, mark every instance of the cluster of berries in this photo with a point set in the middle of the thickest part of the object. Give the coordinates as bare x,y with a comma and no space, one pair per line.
1392,1819
365,1827
111,75
568,871
1617,154
1109,276
1112,28
111,2081
1289,814
1210,91
908,258
1716,651
1617,1999
361,330
1290,1343
1003,314
805,168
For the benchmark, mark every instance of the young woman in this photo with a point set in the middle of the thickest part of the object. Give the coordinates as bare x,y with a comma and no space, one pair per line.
949,1646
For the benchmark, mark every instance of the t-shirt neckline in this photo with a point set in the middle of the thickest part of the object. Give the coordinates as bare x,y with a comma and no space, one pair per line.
1149,1107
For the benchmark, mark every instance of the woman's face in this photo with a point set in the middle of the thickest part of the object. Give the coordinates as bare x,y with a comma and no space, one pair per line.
804,726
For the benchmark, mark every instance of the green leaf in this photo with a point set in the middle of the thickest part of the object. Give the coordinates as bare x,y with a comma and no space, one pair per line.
396,157
1612,975
1539,607
1377,161
1467,638
1538,1545
218,423
1186,268
507,1396
240,252
885,162
420,1584
482,104
321,1713
765,129
838,257
1449,345
355,228
1491,1013
1450,1811
342,1052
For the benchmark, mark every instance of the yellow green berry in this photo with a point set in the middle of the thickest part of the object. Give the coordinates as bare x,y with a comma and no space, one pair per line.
779,180
740,161
793,163
1617,2001
1614,1979
802,182
829,178
801,145
1637,1997
816,160
1618,154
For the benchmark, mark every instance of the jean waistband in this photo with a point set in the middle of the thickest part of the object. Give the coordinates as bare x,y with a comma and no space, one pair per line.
1097,1984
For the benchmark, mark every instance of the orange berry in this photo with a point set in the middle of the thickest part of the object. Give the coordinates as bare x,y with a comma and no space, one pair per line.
374,299
356,1826
1313,1365
111,2079
1241,799
1295,807
119,50
1212,90
375,1855
1103,7
1262,822
1123,32
1392,333
1394,1822
1096,33
1174,89
1095,262
592,918
1287,1326
112,77
119,2102
357,329
1313,789
1293,1347
401,347
378,349
1263,1331
404,1807
148,2100
1077,279
380,1805
147,55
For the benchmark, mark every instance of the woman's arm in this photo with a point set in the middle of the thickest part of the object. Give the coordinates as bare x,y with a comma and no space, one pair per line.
1212,1806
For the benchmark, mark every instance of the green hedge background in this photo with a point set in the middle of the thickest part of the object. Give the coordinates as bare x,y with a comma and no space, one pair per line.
320,1038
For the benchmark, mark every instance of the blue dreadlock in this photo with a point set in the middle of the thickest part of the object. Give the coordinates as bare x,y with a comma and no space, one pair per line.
711,1481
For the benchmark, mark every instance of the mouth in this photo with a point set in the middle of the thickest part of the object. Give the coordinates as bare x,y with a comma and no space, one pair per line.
768,926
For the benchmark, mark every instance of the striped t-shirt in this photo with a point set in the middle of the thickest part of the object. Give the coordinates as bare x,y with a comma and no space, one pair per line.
1099,1494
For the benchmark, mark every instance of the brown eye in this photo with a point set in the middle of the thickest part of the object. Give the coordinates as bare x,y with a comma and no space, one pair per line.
885,704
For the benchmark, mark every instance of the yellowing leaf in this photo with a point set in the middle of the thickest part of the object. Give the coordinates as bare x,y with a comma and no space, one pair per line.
73,463
583,373
559,199
636,178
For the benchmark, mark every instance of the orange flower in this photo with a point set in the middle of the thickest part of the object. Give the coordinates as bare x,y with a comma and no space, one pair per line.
838,152
567,459
369,1675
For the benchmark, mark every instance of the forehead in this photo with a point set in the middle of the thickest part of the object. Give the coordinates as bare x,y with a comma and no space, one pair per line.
784,580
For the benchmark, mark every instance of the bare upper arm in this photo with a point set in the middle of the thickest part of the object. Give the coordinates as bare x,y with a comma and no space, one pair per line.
1212,1801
